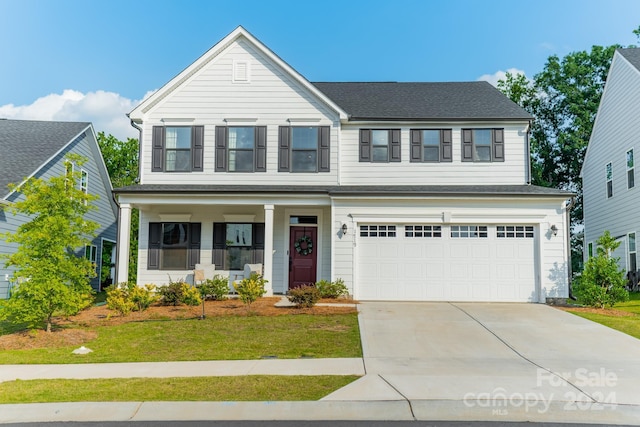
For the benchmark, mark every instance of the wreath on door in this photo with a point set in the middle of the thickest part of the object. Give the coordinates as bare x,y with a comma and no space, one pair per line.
304,245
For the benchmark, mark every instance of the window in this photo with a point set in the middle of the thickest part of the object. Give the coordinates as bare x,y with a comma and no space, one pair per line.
241,149
237,244
91,253
431,145
303,149
68,173
468,231
177,149
590,249
377,231
380,145
631,238
422,231
630,170
483,145
173,245
514,231
609,172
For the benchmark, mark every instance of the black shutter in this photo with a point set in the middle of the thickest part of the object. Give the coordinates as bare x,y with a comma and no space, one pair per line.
365,145
221,149
157,154
258,243
324,160
416,145
467,145
197,148
261,149
446,149
395,146
155,239
219,244
284,163
194,244
498,145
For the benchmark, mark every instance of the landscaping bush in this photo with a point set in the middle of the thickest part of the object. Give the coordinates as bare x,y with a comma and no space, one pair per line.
179,292
190,295
216,288
332,289
304,296
127,297
602,282
250,289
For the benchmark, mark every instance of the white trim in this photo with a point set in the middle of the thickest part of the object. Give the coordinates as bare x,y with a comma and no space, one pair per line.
238,218
301,121
174,217
236,76
288,213
114,250
249,121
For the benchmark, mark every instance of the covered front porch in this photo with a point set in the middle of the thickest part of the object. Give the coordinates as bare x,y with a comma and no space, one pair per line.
289,236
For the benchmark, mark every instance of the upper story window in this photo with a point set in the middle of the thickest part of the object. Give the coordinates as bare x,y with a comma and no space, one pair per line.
173,245
177,148
68,173
379,145
483,145
241,149
631,179
631,238
590,250
431,145
609,174
303,149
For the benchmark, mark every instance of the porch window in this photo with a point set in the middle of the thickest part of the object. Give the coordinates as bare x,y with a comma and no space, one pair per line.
237,244
173,245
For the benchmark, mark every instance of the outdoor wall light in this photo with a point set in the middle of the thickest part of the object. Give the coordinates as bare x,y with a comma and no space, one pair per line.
344,228
554,230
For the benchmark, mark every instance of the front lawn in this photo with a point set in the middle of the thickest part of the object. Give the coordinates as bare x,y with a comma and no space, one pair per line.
624,317
286,334
241,388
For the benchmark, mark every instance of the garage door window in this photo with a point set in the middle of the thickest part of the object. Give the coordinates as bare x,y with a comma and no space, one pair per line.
422,231
469,231
377,231
514,231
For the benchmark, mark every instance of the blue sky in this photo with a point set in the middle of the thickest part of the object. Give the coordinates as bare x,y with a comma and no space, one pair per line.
94,60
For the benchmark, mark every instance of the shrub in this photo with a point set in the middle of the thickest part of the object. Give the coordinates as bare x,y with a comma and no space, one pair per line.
304,296
142,297
602,283
117,300
216,288
179,292
250,289
332,289
190,295
127,297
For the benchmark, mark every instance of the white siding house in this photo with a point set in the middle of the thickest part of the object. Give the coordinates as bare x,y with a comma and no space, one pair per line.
610,184
406,191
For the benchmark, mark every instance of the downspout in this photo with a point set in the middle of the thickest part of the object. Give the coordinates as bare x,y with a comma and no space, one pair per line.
139,146
528,155
570,204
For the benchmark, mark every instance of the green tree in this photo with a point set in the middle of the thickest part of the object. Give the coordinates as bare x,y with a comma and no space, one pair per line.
51,271
602,282
121,159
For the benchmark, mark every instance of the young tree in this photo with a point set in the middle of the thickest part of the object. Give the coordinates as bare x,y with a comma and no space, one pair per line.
602,282
121,159
51,270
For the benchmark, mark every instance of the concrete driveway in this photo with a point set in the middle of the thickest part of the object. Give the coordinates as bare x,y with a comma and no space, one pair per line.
516,362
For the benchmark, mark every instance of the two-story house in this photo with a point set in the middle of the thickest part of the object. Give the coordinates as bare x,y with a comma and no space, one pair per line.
406,191
611,196
39,149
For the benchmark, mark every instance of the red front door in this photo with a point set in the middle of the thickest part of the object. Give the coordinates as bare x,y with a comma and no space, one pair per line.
302,256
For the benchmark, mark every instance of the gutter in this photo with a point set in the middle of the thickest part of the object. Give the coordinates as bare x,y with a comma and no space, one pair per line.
139,145
570,204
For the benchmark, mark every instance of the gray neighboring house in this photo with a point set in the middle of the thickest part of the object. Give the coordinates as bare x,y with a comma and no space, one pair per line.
611,194
38,149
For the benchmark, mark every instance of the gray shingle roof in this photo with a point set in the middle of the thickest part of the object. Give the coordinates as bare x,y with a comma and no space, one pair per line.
25,145
422,101
632,55
352,190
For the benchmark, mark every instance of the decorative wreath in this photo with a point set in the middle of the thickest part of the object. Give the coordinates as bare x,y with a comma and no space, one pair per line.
308,247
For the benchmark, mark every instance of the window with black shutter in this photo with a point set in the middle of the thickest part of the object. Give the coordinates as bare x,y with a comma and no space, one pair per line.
173,245
304,149
380,145
483,145
177,149
237,244
241,149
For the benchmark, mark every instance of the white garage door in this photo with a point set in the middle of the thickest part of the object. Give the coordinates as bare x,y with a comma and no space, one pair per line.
417,262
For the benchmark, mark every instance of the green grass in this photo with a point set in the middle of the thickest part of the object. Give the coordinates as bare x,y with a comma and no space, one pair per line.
242,388
628,324
214,338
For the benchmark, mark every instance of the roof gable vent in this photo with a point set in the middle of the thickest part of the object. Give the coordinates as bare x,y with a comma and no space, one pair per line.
241,71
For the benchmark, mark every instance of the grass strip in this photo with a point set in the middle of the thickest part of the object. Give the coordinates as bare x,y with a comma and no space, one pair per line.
241,388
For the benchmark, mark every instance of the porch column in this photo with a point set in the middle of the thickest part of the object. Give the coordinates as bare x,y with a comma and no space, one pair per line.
268,249
124,234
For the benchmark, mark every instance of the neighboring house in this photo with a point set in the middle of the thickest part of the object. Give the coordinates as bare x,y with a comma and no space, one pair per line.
38,149
406,191
611,193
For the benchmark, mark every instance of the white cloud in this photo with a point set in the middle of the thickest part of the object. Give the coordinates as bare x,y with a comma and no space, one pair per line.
106,110
499,75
